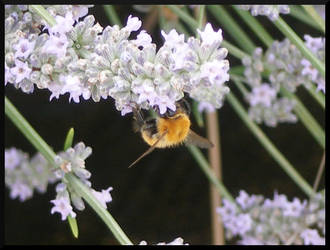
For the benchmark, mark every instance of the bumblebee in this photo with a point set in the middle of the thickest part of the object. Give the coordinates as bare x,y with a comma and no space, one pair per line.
167,130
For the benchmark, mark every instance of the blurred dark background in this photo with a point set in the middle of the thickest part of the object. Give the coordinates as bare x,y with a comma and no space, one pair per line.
166,195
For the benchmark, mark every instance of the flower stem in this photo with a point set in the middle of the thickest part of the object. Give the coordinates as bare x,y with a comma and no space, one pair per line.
204,165
43,13
299,14
34,138
306,118
29,132
112,15
236,32
288,32
319,173
317,95
83,191
254,24
269,146
312,13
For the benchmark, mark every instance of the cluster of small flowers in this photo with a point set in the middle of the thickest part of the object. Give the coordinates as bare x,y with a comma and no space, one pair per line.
22,175
177,241
271,11
73,160
260,221
288,69
80,60
317,46
265,106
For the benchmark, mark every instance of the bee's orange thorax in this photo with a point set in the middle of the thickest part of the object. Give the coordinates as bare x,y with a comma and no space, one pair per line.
177,128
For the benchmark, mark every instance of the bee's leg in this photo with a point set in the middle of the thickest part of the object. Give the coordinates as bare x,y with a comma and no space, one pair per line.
138,121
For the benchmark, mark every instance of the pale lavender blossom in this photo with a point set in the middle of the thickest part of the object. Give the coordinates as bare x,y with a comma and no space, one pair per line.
23,48
243,223
264,95
62,206
63,24
133,23
177,241
74,87
244,200
273,222
321,85
20,190
104,196
294,208
143,39
79,11
209,36
271,11
163,103
8,75
56,45
205,106
309,70
13,158
173,39
314,43
20,71
312,237
215,71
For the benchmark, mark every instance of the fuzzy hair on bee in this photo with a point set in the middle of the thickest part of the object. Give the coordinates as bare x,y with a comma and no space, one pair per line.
167,130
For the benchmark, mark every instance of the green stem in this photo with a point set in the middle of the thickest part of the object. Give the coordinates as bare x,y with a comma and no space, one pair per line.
231,26
200,18
234,50
184,16
317,95
254,24
112,15
29,132
43,13
49,154
306,118
288,32
268,145
85,192
313,13
238,81
299,14
204,165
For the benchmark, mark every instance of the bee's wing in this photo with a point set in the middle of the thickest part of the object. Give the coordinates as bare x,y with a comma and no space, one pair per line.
197,140
149,149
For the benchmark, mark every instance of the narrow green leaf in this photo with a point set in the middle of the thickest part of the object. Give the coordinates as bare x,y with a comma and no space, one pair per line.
73,226
69,139
269,146
306,118
112,15
43,13
315,16
205,167
297,12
